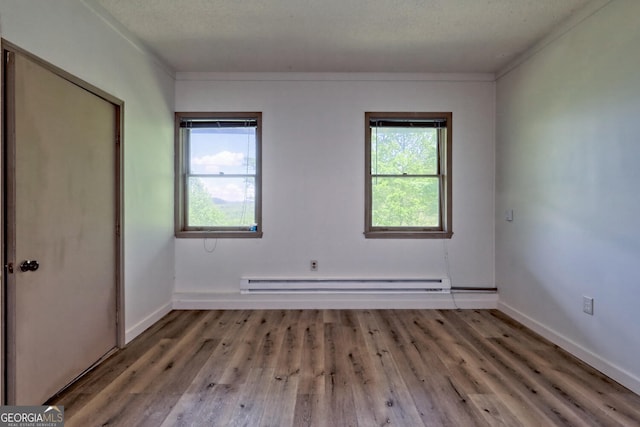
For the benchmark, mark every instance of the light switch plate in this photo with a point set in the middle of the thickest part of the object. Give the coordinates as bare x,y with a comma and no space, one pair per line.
587,305
508,215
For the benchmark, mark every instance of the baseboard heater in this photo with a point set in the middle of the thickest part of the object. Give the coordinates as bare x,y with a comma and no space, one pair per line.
339,285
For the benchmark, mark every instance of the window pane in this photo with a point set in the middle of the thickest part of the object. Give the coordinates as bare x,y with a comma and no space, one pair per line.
397,151
222,150
218,201
405,202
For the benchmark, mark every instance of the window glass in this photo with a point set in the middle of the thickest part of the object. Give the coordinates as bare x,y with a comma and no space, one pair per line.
405,202
218,175
408,182
222,151
404,150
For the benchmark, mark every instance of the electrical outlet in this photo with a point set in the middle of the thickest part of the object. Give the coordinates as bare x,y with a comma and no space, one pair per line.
587,305
314,265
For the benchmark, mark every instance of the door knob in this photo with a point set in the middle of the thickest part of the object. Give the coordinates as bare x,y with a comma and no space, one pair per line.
29,265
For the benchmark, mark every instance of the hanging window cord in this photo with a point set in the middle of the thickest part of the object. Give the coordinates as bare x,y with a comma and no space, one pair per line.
376,160
246,180
207,249
445,252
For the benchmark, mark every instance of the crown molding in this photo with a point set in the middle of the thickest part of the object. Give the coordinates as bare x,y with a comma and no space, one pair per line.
123,32
573,21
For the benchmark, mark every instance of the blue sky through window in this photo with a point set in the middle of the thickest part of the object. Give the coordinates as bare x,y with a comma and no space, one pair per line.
224,151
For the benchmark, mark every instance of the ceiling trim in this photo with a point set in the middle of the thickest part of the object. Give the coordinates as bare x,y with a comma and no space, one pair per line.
134,41
327,76
573,21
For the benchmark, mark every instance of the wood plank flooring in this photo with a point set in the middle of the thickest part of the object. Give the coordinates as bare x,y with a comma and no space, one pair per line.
345,368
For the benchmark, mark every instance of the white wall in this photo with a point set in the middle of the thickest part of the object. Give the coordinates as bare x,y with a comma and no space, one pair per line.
568,154
313,178
70,36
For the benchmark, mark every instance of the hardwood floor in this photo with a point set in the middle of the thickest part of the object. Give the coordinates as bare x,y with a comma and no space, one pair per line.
345,368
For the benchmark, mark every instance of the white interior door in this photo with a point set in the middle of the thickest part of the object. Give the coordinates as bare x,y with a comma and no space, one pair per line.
61,216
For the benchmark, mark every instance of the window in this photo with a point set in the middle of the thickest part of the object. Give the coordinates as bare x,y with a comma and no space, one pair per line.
218,175
408,175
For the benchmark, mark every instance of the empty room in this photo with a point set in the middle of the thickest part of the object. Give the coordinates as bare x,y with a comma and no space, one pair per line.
321,213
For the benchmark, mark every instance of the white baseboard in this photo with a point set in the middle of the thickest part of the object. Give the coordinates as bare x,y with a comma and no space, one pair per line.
620,375
145,323
237,301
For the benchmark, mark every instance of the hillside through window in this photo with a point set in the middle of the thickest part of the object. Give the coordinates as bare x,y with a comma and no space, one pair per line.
218,175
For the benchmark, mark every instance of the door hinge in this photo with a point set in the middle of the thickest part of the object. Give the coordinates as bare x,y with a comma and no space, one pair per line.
118,230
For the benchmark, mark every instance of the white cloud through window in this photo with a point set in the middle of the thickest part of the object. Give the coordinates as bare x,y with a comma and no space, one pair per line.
216,163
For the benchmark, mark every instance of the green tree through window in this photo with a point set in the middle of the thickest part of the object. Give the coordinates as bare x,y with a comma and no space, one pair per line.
408,175
202,210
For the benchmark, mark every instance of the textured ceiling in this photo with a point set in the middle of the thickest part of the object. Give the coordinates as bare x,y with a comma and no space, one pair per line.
339,35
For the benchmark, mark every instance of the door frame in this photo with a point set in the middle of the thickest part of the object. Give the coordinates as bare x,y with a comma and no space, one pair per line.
7,211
